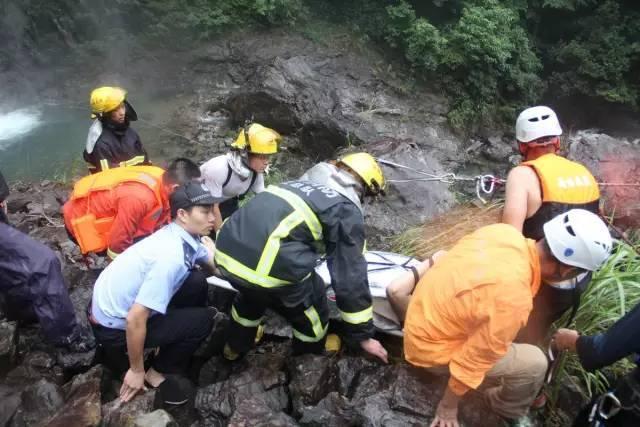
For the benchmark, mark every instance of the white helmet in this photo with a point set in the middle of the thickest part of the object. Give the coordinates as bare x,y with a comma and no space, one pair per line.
537,122
579,238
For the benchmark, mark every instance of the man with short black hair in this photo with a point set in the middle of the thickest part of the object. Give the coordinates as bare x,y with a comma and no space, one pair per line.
152,296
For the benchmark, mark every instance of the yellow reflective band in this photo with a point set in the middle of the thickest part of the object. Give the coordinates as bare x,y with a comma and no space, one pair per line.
364,247
272,247
244,272
133,161
247,323
316,325
313,317
104,164
359,317
301,206
112,254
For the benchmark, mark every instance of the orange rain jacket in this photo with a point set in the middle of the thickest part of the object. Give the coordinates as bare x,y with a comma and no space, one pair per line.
467,309
130,199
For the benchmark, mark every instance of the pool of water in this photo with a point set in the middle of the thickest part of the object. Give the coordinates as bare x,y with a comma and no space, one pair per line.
46,141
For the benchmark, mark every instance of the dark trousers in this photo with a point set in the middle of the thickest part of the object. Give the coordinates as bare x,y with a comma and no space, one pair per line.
31,278
228,207
548,306
178,333
304,305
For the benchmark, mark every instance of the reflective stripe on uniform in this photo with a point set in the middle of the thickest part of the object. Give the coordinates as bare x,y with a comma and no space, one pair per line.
247,323
316,325
260,276
133,161
272,247
301,206
104,164
358,317
111,254
244,272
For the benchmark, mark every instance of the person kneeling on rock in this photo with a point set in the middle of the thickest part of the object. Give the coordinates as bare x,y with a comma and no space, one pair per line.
269,248
153,295
469,306
231,176
32,282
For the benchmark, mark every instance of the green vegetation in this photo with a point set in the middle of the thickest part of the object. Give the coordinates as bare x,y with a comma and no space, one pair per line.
615,290
491,57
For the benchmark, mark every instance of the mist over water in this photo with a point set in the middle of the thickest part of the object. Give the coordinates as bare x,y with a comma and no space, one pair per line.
18,123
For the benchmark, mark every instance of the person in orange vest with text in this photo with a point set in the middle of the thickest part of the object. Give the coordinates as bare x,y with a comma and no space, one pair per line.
468,307
111,210
542,187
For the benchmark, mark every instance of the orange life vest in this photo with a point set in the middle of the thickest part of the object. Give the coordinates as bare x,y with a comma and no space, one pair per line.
564,185
92,233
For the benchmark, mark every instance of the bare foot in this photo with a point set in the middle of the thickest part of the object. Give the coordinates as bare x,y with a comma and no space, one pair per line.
154,377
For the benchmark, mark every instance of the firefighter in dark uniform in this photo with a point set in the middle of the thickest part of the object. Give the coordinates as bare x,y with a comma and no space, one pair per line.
111,141
270,247
539,189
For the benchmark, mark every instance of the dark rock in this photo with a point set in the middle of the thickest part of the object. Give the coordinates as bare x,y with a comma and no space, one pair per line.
474,411
360,377
406,204
39,402
35,366
333,410
157,418
277,326
254,412
73,363
375,411
321,139
9,402
214,343
119,414
83,406
8,341
214,370
30,339
264,108
312,377
220,400
416,392
17,202
258,376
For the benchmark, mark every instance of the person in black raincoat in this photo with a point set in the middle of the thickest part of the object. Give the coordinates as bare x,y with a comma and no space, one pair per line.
31,281
111,141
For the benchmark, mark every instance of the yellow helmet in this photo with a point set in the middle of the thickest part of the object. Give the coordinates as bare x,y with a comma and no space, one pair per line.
368,169
257,139
105,99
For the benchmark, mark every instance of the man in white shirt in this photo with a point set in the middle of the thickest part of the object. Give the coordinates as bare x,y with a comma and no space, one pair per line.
150,296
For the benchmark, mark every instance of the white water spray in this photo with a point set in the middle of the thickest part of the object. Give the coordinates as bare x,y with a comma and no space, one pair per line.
18,123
